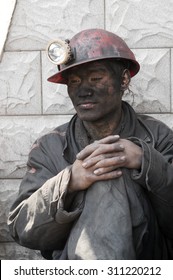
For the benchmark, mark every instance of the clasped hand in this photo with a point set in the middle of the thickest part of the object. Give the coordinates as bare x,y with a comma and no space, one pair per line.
103,160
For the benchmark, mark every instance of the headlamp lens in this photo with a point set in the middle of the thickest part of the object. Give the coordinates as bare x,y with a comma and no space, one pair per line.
59,52
56,53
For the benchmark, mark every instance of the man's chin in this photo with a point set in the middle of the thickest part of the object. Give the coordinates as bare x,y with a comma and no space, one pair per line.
88,117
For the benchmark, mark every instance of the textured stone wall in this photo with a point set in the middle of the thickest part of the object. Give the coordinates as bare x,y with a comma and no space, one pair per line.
30,106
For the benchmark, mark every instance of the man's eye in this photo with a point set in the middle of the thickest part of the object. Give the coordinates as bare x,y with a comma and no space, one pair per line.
95,79
74,81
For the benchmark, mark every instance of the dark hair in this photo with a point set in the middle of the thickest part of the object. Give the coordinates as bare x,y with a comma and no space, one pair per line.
117,68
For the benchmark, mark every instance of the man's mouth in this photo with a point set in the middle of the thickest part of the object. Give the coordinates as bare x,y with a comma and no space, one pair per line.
86,104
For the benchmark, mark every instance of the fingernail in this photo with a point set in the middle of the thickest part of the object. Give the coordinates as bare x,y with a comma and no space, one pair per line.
96,172
78,155
122,158
84,164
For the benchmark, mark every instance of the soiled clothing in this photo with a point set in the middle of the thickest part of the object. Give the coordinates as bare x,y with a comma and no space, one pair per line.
130,217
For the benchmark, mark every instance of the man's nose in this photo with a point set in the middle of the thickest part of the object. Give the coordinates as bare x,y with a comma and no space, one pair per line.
85,90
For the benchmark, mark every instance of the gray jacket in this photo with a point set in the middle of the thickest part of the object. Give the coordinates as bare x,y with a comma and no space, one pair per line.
126,218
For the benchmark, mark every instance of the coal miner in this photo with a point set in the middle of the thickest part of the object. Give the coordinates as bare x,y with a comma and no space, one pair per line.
100,186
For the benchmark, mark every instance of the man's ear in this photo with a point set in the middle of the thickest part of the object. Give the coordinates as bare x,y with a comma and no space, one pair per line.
126,78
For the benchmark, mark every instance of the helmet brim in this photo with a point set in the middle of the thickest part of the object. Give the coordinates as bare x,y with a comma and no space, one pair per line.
59,77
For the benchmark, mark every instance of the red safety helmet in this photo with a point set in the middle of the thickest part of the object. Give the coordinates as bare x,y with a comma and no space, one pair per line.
86,46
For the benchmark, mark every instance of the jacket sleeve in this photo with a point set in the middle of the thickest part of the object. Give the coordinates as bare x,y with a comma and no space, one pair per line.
156,176
43,214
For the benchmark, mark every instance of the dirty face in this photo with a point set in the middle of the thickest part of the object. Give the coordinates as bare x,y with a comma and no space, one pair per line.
95,91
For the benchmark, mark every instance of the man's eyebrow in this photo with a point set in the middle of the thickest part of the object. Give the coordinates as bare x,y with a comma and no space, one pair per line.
103,69
90,69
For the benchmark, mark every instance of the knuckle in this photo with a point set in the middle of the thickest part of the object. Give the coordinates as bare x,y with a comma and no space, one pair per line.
117,147
115,174
95,144
102,161
111,147
114,160
101,157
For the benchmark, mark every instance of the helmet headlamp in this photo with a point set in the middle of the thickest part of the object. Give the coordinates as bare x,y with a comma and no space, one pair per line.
59,52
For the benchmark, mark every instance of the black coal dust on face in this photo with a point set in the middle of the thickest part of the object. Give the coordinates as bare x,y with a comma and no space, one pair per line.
93,91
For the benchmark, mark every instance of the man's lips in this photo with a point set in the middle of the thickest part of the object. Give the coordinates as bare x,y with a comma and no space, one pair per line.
86,104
